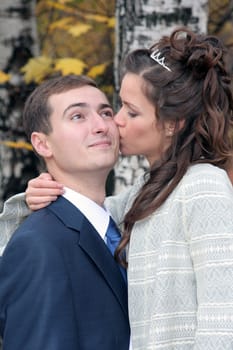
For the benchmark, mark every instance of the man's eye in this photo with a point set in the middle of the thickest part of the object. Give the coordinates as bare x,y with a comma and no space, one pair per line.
108,114
76,117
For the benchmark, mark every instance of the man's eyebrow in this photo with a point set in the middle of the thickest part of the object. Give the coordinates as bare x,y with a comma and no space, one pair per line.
80,104
86,105
104,105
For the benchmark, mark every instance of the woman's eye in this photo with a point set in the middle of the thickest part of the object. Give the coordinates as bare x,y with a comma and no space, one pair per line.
132,114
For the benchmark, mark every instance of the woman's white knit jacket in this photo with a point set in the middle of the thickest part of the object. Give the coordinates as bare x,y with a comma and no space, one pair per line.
180,274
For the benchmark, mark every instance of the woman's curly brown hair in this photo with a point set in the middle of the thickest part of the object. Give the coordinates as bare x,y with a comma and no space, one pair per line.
196,90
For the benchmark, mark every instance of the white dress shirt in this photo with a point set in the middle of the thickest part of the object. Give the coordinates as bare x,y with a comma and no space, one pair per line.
97,215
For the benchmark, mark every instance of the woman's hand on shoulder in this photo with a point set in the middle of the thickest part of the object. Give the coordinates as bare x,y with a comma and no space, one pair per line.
42,190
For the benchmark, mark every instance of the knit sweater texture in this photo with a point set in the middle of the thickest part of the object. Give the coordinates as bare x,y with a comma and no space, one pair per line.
180,274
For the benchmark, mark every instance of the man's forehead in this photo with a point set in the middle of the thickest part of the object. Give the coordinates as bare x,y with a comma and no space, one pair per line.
85,95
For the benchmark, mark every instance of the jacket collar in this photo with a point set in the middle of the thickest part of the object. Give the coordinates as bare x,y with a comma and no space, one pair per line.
94,246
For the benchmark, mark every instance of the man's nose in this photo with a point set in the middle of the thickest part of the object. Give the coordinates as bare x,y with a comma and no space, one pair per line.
100,124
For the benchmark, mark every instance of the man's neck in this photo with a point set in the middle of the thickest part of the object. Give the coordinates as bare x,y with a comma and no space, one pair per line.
92,187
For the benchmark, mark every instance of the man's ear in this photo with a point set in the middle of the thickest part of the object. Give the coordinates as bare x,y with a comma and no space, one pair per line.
41,145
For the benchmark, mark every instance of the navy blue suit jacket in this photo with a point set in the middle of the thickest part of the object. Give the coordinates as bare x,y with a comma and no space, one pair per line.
60,288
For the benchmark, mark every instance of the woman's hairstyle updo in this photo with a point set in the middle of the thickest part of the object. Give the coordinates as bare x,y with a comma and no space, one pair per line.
186,79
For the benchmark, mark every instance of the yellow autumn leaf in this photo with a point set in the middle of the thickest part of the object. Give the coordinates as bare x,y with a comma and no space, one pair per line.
60,6
97,18
112,22
97,70
18,144
63,23
4,77
37,69
79,29
69,66
65,1
107,89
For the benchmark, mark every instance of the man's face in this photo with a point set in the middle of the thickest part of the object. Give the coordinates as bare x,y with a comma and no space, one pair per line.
84,136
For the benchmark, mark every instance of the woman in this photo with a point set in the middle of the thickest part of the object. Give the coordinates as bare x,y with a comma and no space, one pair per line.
177,220
177,111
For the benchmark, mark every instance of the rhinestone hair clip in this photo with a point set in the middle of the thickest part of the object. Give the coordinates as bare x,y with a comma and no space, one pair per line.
155,55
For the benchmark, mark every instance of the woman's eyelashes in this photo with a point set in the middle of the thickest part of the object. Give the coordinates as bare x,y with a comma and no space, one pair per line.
132,114
129,110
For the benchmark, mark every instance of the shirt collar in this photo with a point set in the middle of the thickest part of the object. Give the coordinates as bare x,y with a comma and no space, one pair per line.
97,215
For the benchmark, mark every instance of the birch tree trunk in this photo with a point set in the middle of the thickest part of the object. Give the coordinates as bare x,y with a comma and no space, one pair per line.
139,24
17,44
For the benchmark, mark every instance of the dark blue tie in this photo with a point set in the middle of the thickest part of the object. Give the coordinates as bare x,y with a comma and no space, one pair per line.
113,238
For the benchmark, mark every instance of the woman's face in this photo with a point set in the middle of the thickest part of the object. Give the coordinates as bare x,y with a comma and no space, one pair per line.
140,131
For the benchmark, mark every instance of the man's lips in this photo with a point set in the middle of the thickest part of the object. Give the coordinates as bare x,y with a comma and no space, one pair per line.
101,143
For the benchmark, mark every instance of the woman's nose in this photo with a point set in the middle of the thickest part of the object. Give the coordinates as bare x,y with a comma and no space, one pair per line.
119,119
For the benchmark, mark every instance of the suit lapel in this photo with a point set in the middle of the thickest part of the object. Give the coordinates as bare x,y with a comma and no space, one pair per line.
93,245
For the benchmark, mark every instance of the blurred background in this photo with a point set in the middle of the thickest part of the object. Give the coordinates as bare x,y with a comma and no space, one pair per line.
45,38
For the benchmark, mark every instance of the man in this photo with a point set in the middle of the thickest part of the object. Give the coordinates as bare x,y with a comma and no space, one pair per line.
60,287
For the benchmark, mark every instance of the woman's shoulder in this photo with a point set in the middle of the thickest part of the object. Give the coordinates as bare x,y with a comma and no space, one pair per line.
206,177
206,170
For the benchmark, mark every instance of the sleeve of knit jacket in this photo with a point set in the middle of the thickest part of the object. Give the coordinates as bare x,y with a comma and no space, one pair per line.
209,222
15,210
119,204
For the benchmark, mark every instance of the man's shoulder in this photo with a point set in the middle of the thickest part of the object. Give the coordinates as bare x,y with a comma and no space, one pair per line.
35,224
51,220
